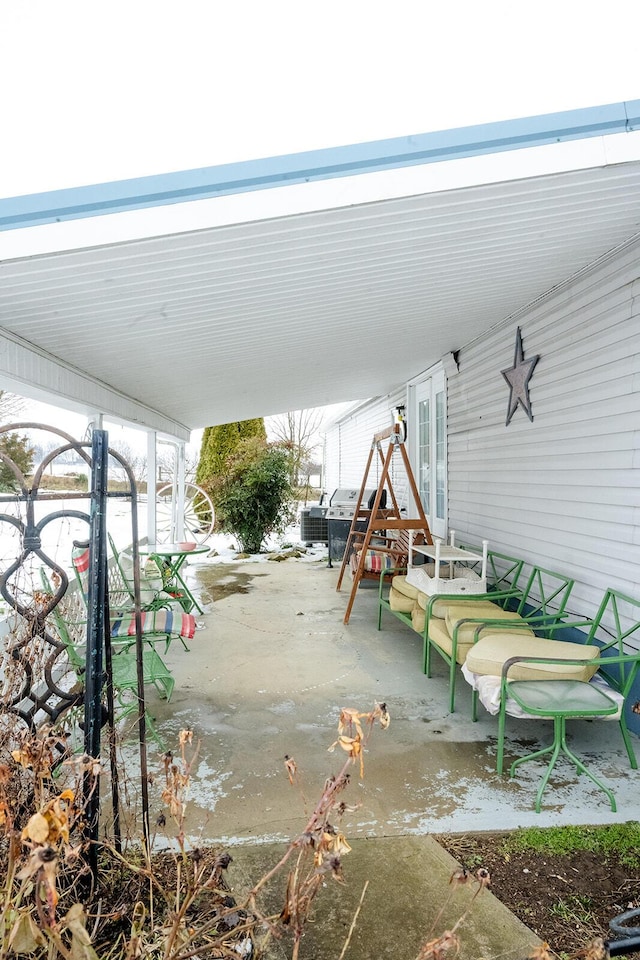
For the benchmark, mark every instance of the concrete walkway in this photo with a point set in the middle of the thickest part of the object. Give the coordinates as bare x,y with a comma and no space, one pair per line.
267,677
408,901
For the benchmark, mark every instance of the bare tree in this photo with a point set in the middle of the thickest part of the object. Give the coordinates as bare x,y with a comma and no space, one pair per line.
11,406
136,460
298,432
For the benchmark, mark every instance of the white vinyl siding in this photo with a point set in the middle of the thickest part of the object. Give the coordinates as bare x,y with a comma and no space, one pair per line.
348,445
562,491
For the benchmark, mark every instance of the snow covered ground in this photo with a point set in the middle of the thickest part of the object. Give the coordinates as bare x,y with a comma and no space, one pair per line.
59,533
224,547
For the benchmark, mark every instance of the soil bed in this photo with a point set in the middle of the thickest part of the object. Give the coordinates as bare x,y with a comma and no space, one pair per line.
567,899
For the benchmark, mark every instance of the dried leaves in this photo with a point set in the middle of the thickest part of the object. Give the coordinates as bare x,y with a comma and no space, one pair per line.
321,847
46,835
352,736
177,777
51,824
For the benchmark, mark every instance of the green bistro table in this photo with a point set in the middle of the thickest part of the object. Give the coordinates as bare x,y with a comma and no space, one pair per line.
174,556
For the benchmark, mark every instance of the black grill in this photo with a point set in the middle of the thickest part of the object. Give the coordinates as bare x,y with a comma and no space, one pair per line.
338,531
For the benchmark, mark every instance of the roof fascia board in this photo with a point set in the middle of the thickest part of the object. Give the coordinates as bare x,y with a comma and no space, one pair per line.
251,175
30,372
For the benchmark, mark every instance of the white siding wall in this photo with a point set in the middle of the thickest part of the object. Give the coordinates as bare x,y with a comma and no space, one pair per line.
561,491
348,444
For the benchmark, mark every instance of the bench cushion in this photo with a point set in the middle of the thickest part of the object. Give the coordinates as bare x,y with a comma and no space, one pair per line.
418,617
457,612
439,634
155,622
375,561
439,607
408,590
399,602
487,656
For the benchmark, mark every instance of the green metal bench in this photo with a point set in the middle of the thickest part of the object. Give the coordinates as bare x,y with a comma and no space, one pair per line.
540,603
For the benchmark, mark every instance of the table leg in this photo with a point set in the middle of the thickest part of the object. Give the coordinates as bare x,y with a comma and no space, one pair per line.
174,567
559,746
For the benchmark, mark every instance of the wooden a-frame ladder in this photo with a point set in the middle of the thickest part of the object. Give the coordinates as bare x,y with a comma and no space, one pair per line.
380,523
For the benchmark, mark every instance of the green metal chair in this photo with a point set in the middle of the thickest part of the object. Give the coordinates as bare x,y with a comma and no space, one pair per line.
617,620
158,623
71,629
154,594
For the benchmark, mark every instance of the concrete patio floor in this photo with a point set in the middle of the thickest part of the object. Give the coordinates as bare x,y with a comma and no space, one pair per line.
267,676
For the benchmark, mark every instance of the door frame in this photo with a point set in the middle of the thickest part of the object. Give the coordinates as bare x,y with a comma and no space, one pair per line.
435,380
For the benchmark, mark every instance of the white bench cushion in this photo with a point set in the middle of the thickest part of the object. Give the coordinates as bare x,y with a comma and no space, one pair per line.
439,634
439,607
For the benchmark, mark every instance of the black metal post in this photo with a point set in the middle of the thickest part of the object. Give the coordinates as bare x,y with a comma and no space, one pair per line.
96,601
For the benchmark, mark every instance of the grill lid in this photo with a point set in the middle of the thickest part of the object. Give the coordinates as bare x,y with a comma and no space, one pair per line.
342,504
345,497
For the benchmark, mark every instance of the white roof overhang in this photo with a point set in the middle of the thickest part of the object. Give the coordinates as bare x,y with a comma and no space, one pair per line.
359,286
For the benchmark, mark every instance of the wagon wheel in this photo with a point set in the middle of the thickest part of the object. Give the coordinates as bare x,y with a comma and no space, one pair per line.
199,514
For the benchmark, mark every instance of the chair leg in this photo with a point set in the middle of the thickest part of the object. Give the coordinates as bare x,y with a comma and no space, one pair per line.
554,750
452,684
558,746
474,705
584,769
501,727
164,686
426,652
627,742
131,707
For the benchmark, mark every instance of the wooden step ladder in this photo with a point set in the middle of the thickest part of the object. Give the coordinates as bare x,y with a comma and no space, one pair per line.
387,531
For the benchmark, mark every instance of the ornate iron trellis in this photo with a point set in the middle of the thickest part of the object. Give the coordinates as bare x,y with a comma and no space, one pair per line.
40,695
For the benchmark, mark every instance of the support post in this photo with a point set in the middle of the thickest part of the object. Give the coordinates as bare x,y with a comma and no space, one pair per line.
152,473
180,533
96,604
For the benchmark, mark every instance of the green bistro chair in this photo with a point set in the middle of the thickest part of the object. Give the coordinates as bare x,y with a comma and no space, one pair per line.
71,630
158,623
154,594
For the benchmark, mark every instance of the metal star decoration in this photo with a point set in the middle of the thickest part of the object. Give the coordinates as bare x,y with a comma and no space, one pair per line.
518,377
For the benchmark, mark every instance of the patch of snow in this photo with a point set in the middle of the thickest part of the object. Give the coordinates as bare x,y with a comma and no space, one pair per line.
224,548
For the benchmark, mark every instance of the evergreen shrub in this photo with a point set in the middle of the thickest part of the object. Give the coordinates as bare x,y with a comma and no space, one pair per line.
253,497
16,448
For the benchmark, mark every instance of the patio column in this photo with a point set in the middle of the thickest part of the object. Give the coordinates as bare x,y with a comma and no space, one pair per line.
152,472
180,470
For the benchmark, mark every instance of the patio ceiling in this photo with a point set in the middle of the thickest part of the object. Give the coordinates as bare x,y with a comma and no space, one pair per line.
285,312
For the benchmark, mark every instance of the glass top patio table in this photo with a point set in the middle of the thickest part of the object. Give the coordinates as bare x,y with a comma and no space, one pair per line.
175,556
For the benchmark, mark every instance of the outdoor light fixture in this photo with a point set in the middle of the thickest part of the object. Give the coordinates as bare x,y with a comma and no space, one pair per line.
400,418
